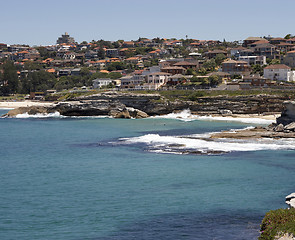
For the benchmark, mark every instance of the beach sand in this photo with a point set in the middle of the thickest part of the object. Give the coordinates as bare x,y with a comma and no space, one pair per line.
27,103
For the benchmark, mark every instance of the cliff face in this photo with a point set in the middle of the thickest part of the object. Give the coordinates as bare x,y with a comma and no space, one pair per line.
239,104
154,104
116,104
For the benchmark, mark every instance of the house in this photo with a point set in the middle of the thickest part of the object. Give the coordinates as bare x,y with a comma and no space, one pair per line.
187,65
285,47
177,79
112,53
174,70
128,44
265,49
69,56
253,60
163,64
257,81
291,41
133,60
277,40
157,79
236,67
100,82
289,60
250,40
235,52
214,53
64,72
76,72
132,81
279,72
257,43
91,54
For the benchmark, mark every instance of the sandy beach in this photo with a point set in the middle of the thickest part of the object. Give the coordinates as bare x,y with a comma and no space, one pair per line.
27,103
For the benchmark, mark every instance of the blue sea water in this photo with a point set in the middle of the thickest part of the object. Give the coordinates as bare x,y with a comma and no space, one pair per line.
75,178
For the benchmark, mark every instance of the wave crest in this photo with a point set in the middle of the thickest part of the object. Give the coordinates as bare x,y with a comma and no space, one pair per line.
202,144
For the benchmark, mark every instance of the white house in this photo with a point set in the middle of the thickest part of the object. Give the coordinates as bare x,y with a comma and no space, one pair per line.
100,82
132,81
157,79
279,72
259,60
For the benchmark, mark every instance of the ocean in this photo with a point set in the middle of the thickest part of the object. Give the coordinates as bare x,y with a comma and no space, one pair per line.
155,178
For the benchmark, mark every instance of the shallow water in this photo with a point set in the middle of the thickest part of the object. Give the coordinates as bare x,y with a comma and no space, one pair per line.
64,178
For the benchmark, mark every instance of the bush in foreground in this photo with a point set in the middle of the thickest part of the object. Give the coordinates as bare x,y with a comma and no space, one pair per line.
277,223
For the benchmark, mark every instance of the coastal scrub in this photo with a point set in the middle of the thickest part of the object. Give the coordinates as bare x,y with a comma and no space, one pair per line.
277,223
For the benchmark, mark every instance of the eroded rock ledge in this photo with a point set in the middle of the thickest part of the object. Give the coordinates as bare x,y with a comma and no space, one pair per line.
283,128
130,105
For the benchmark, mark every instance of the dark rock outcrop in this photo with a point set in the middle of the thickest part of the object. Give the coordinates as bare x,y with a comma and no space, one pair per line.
288,115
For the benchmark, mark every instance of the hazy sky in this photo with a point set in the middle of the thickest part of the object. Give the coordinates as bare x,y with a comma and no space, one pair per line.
41,22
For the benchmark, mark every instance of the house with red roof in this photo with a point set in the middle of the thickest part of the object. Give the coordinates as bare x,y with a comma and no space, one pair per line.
279,72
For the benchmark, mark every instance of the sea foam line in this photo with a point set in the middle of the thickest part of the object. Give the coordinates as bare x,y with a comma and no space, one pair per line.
182,143
187,116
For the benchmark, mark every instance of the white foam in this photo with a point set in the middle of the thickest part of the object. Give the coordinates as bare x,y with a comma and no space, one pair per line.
236,119
184,115
187,116
39,115
183,143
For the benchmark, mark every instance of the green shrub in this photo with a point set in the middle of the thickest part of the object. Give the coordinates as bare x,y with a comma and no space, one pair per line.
277,222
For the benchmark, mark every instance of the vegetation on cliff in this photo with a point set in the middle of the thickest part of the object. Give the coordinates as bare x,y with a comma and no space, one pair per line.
276,223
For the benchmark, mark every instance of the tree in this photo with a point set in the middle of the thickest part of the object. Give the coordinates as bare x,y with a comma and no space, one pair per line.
219,58
209,65
288,36
214,80
9,81
190,71
37,81
115,75
257,69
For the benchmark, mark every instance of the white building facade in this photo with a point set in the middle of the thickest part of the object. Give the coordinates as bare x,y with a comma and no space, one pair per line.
100,82
279,72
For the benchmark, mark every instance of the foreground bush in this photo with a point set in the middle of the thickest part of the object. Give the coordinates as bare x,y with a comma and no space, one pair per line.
277,223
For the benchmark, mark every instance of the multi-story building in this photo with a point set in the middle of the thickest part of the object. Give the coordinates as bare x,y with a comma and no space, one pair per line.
236,67
289,60
254,60
65,38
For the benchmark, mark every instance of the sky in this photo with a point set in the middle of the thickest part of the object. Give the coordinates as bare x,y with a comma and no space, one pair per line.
41,22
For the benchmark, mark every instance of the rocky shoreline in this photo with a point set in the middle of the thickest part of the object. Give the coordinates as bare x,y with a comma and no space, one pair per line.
129,105
283,128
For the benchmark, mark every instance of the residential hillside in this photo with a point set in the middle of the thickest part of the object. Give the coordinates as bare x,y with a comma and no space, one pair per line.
147,64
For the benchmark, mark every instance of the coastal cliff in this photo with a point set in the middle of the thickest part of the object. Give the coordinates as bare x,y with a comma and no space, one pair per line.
116,104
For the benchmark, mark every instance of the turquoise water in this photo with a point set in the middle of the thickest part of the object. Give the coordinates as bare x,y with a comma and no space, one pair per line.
74,179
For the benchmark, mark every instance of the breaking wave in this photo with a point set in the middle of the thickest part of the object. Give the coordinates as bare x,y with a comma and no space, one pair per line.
39,115
57,115
202,144
187,116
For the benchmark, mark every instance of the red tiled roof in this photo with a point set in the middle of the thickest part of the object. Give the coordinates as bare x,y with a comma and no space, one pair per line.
277,66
